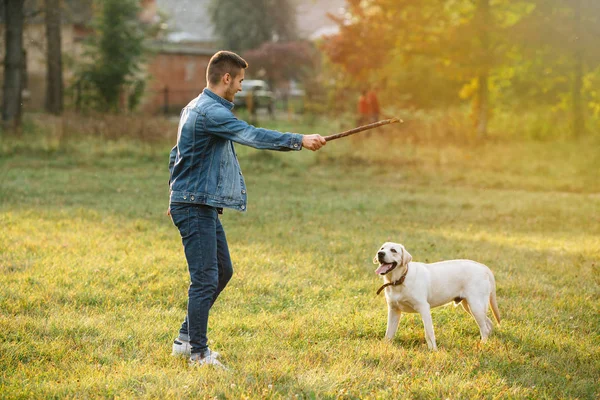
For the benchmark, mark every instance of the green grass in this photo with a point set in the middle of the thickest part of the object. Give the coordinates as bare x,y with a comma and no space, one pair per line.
93,279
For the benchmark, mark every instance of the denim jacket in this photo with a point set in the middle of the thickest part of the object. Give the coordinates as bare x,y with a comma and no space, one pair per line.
203,165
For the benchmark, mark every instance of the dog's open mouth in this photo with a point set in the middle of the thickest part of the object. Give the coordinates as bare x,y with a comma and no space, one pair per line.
385,268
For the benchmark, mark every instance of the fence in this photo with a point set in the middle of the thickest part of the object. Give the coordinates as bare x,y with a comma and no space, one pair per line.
170,101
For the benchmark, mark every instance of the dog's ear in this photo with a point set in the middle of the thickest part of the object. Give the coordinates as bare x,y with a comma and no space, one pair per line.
406,257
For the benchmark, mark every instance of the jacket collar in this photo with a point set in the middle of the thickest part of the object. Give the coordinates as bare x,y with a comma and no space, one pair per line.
218,98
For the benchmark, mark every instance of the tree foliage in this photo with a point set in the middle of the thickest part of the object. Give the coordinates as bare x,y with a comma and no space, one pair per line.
559,40
282,61
113,54
488,51
245,25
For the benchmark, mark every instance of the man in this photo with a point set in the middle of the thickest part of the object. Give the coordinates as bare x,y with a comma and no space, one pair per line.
373,105
364,112
205,177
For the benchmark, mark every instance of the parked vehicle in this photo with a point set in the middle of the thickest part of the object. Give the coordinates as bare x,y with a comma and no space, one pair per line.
262,96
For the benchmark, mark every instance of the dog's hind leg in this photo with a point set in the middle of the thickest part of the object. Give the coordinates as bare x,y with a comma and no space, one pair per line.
488,322
392,322
465,306
479,310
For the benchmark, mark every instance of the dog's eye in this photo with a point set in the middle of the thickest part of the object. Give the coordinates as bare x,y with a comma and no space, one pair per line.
393,250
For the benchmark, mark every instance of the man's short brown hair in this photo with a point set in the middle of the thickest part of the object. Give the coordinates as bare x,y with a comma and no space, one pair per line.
222,63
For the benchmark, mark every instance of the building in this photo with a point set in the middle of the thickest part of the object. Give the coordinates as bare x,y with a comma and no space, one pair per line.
178,71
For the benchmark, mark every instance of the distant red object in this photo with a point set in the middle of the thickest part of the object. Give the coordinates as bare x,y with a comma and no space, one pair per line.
373,102
363,106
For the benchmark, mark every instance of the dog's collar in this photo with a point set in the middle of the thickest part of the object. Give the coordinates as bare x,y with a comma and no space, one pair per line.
395,283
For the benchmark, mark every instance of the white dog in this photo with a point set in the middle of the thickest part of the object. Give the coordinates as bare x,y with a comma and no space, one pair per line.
417,287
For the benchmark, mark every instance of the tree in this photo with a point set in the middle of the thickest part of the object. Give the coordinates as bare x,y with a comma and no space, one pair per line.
115,53
282,61
366,34
560,40
394,45
456,41
13,63
54,76
245,25
483,24
471,46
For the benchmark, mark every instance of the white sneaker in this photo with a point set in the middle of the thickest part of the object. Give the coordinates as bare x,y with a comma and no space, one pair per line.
184,348
181,348
208,358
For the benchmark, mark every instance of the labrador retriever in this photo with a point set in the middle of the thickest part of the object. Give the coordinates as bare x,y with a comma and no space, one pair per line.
415,287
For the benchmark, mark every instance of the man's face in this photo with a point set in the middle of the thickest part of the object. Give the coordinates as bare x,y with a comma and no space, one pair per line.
235,85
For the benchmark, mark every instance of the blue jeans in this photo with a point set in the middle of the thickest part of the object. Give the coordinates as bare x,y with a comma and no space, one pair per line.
209,264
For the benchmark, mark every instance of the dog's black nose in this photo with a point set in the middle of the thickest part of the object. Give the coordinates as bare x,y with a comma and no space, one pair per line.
381,254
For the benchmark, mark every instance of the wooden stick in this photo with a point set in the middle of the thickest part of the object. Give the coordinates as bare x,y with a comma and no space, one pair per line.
363,128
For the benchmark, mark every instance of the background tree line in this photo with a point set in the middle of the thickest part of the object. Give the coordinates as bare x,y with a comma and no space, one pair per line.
109,69
431,54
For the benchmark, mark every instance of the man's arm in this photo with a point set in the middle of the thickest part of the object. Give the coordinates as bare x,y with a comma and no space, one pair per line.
172,157
223,123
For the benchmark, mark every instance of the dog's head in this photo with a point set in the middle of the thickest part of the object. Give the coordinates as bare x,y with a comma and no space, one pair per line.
390,256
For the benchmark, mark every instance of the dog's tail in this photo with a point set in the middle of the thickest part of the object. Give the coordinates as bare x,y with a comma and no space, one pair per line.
493,301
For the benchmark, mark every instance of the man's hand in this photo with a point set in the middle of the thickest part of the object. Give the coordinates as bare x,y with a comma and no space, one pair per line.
313,142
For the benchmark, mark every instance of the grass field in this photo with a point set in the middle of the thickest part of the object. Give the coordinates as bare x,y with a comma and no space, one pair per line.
93,279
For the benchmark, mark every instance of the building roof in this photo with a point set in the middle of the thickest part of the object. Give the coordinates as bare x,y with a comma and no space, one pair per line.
188,20
180,48
312,17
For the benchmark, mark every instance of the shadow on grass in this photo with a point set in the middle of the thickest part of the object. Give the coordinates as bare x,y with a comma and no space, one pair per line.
532,363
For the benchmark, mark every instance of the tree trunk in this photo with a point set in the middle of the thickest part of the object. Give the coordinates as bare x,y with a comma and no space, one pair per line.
483,106
13,64
54,77
578,114
484,20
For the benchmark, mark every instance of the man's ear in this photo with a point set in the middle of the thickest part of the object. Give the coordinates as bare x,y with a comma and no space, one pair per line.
226,78
406,257
375,260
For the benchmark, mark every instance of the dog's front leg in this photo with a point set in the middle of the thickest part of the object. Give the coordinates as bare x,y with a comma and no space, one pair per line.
392,322
425,312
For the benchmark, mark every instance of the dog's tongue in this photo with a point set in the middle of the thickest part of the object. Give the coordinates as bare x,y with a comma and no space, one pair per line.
383,269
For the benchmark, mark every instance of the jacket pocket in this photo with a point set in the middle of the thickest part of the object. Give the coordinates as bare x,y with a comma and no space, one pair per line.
228,175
